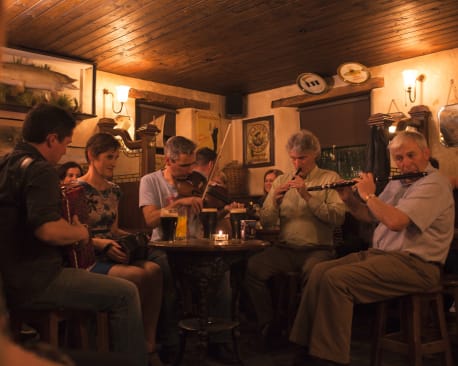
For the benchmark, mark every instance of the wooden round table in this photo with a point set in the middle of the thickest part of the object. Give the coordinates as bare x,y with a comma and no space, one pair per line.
202,263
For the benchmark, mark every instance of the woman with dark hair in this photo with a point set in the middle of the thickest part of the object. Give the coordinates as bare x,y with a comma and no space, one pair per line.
102,152
69,172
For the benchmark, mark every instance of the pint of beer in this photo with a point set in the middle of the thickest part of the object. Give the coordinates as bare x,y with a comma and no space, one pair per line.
169,219
236,215
208,218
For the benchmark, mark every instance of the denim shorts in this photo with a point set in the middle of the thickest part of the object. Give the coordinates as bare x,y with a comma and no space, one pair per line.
102,267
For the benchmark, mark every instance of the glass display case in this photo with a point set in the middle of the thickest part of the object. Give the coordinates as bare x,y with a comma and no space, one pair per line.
28,78
348,161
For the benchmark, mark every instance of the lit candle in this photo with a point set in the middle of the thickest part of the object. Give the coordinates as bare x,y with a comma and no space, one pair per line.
220,236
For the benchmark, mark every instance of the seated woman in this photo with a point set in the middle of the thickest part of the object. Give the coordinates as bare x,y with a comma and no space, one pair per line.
69,172
269,177
102,152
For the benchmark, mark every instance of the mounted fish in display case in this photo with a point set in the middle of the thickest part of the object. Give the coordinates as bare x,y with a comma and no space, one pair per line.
28,78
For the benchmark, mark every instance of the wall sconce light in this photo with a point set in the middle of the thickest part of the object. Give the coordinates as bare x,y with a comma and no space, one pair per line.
392,129
122,94
410,83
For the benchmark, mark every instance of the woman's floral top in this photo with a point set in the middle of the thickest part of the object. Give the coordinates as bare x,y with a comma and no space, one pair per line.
102,207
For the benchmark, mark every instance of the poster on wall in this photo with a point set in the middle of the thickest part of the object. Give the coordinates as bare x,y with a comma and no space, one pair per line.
258,142
208,130
28,78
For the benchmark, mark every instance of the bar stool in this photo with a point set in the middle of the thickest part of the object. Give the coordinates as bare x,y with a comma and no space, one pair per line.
47,323
286,295
450,283
412,340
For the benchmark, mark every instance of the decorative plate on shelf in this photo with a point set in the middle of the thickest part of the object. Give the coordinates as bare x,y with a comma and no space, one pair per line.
353,73
311,83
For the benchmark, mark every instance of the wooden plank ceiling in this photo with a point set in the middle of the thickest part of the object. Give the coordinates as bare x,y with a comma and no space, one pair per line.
232,46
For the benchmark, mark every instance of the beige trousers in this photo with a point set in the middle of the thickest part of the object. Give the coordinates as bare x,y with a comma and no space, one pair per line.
324,318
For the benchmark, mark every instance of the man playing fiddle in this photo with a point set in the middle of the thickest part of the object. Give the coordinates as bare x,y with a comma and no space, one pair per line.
415,228
160,190
217,194
307,222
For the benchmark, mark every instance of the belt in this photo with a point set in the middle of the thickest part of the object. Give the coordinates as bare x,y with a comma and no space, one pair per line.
438,264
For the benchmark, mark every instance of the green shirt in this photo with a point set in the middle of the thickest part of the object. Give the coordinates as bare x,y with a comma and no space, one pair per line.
305,223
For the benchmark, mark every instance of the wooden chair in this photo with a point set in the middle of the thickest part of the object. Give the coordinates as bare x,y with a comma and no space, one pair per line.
413,339
76,322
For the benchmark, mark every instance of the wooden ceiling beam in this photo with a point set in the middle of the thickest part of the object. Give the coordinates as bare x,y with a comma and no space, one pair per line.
168,101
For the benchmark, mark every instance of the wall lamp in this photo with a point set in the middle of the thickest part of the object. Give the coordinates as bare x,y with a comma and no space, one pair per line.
410,83
122,94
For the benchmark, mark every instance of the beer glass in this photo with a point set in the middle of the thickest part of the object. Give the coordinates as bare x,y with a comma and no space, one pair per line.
169,219
208,218
181,231
248,229
236,215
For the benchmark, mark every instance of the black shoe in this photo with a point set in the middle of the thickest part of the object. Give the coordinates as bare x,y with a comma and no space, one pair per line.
301,357
315,361
222,352
271,338
168,354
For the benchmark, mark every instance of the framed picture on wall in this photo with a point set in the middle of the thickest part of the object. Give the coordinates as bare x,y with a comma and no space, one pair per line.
258,142
28,78
10,134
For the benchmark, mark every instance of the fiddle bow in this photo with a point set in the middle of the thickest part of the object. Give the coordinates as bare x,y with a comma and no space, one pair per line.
213,170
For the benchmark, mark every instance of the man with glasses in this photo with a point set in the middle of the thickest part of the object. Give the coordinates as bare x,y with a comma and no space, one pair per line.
159,190
307,221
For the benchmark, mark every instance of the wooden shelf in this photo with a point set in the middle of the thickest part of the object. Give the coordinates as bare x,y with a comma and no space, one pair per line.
304,100
168,101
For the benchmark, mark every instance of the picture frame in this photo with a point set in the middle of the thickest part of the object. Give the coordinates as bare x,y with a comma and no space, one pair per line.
28,78
258,142
10,134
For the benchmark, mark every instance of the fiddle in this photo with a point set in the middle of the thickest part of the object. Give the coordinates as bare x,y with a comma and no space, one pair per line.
196,185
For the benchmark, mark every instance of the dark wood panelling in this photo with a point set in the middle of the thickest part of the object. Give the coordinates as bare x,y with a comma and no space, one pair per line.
232,46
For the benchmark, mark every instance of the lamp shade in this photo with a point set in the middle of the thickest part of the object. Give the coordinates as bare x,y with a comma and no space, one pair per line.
122,93
410,77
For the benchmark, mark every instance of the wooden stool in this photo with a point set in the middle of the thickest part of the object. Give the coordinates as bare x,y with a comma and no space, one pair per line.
286,295
412,340
47,324
450,283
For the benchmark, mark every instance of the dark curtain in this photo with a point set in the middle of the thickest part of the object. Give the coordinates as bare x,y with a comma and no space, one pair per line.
378,158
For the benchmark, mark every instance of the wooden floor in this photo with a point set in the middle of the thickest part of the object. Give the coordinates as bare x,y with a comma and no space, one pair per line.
253,354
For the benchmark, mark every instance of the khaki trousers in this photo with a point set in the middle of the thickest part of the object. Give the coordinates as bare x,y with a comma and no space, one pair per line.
274,260
324,318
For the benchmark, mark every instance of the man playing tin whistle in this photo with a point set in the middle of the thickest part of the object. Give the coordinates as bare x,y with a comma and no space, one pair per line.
415,219
307,221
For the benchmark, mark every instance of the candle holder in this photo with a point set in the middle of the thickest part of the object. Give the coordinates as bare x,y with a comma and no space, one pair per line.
220,238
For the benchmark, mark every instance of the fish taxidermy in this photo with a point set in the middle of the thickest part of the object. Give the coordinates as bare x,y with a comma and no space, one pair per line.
30,76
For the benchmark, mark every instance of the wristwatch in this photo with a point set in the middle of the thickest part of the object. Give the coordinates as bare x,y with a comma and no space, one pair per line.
369,196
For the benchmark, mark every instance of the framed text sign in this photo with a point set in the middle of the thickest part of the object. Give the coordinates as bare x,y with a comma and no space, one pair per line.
258,142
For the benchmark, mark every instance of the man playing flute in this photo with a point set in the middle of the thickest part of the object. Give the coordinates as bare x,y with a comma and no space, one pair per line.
415,228
307,222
